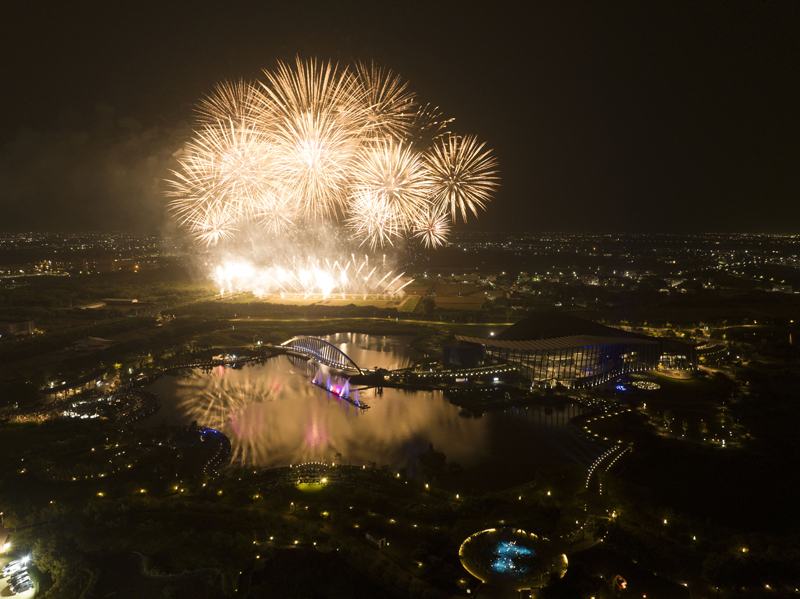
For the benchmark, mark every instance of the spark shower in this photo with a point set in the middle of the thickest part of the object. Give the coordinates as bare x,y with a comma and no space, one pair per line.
315,162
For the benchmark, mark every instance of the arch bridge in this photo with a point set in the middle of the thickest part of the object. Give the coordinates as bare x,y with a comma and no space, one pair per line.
321,351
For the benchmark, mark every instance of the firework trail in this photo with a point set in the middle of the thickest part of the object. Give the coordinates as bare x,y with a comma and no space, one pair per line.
315,142
314,146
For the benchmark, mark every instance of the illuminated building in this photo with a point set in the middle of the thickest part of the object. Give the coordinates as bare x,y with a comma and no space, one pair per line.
17,328
552,348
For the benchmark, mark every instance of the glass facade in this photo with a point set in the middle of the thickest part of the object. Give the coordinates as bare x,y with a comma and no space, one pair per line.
582,361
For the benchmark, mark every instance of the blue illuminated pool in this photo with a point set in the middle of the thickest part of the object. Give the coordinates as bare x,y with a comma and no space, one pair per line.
510,558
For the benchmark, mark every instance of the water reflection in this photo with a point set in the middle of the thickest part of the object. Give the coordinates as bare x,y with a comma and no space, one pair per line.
544,417
274,416
371,351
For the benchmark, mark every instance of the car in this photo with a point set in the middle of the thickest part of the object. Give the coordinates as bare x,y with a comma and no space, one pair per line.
19,581
22,587
21,572
14,567
19,577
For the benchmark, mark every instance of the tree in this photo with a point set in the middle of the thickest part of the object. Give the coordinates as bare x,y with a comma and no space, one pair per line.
719,569
576,583
421,554
427,305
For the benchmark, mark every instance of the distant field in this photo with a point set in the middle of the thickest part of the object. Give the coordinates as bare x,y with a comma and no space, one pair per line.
456,288
379,303
459,296
240,299
410,303
414,289
311,487
318,300
289,301
459,303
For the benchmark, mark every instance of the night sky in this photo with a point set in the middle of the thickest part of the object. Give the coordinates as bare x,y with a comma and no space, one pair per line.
605,116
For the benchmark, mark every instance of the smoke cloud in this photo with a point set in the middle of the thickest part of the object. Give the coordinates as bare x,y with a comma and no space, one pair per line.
105,172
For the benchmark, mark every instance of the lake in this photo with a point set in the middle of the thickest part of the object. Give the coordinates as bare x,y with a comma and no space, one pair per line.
274,416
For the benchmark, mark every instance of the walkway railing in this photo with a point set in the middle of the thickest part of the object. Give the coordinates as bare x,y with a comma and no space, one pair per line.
321,351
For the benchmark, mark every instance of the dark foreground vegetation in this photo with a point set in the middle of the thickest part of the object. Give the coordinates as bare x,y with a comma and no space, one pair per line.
106,508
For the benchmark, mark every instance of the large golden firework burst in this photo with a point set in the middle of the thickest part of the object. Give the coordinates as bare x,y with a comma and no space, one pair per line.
315,142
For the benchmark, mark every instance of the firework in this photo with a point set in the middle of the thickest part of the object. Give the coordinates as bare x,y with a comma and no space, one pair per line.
225,178
390,192
237,101
316,134
387,106
312,277
276,214
433,229
315,157
463,175
213,225
428,125
318,143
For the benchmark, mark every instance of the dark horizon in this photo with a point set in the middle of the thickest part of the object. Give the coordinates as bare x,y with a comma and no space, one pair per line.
613,118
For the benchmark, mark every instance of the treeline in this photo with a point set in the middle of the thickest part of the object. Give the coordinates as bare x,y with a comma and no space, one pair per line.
264,310
25,388
285,311
171,537
38,345
46,297
39,296
163,340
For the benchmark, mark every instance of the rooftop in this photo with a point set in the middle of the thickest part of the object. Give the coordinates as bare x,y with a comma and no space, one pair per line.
570,341
550,325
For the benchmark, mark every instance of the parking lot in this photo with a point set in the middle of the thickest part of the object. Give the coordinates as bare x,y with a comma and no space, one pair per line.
5,590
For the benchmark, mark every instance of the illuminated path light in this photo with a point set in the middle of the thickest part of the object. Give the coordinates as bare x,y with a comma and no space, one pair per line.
606,460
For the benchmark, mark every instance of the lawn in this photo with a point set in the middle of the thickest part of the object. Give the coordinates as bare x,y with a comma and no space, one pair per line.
459,303
685,409
318,300
410,303
690,409
310,487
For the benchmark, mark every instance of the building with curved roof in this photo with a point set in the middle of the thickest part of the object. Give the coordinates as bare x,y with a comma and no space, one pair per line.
553,348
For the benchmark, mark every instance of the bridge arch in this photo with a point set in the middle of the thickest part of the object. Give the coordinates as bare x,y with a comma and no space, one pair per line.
321,351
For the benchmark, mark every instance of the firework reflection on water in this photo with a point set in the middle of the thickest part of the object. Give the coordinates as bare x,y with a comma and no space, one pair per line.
274,416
